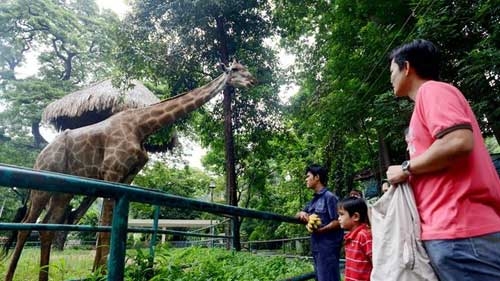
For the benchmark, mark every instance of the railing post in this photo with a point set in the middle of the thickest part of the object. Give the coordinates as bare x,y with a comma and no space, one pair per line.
153,238
116,261
236,233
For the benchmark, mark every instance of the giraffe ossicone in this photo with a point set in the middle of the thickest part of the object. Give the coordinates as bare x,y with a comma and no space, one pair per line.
110,150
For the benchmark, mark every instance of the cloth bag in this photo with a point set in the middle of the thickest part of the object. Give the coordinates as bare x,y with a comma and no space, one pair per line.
398,252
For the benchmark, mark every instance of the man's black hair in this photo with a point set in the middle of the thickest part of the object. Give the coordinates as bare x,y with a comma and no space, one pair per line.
318,170
354,204
422,55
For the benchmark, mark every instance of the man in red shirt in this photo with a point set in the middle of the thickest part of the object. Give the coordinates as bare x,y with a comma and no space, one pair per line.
456,188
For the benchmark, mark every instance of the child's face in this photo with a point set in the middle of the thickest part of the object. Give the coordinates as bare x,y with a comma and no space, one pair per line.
345,220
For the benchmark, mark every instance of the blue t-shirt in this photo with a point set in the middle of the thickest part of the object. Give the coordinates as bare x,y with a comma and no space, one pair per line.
324,204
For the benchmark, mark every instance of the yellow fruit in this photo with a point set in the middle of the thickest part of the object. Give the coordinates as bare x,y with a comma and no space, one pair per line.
314,220
309,228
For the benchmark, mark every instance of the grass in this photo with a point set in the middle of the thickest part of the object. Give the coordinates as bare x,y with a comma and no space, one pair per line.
188,264
67,265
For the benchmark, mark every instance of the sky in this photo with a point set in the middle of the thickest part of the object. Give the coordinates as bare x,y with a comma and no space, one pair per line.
118,6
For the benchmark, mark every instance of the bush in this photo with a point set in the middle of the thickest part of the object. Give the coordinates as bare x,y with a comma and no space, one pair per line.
202,264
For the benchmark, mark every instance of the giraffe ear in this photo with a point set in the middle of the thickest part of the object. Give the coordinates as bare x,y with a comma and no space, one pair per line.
223,67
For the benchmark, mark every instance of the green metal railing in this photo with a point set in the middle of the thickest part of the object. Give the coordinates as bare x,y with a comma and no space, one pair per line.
14,176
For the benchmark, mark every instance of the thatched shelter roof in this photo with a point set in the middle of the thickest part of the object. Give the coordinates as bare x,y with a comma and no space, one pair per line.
98,102
95,103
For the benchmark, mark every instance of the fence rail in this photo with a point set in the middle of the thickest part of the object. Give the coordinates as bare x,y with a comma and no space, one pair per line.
13,176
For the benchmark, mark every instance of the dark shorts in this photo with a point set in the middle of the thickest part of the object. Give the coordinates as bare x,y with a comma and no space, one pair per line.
468,259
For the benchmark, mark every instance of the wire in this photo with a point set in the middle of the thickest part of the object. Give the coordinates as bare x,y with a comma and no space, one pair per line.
392,41
386,50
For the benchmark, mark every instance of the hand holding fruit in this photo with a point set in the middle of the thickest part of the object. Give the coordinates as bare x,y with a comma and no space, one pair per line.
313,223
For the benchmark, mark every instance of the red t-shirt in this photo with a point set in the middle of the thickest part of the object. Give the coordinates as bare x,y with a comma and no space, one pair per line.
358,254
462,200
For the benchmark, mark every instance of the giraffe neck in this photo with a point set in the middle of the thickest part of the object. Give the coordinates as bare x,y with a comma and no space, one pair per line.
154,117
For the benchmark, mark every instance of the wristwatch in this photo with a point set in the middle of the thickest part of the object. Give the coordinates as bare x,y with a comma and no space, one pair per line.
406,167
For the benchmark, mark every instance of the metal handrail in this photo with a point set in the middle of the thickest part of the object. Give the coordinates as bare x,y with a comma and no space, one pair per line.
14,176
57,182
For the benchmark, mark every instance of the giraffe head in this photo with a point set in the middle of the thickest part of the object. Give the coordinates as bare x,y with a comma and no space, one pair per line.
238,75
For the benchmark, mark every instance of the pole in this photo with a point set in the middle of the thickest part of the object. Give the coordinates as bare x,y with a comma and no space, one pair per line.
212,232
116,260
3,205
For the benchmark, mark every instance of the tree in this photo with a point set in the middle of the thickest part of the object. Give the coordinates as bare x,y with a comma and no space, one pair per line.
73,43
344,109
177,43
185,182
469,39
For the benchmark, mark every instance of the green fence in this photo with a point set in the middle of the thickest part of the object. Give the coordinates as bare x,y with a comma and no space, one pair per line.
13,176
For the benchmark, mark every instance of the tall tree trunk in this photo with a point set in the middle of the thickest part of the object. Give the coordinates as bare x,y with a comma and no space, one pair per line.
39,141
228,138
230,162
383,152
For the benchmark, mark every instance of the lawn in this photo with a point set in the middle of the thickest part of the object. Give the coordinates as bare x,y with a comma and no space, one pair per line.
191,264
67,265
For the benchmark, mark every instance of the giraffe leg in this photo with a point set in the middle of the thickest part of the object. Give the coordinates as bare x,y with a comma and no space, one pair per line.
114,172
103,238
38,200
55,213
46,242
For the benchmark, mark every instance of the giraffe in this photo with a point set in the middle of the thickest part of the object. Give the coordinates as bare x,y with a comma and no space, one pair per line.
110,150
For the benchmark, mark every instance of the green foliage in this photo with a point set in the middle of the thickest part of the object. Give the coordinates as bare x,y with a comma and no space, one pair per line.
11,200
19,152
170,264
492,145
26,99
91,218
139,266
343,109
74,33
215,264
177,43
72,45
469,38
172,50
186,182
345,115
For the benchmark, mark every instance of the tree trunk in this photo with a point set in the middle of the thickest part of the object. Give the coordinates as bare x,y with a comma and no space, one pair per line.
383,153
39,141
228,138
230,164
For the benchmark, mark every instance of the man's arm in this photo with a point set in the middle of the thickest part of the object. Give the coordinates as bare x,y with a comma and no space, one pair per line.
333,225
438,156
302,216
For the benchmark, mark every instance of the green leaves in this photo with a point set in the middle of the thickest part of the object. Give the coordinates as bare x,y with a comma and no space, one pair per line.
202,264
344,72
468,38
186,182
72,46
